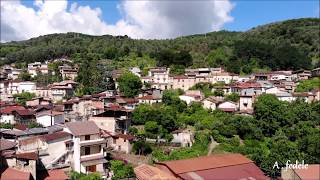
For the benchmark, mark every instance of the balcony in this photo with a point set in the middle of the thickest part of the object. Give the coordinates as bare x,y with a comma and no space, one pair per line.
93,142
91,157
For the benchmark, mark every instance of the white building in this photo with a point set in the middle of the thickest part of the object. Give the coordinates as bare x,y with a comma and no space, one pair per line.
192,96
183,137
114,119
7,114
49,118
212,102
54,149
136,71
149,99
9,88
228,106
34,68
88,147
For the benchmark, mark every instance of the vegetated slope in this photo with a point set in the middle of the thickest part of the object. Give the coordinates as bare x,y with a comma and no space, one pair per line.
291,44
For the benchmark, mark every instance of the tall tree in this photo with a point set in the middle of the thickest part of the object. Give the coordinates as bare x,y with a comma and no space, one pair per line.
129,84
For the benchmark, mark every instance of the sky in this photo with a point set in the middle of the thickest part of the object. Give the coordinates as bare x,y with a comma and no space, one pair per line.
147,19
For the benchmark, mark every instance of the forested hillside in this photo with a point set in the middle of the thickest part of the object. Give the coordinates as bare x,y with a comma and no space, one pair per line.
291,44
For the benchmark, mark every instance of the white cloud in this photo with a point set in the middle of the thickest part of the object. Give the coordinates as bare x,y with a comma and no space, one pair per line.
141,19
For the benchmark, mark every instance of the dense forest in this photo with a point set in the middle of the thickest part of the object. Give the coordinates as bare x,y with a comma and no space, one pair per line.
292,44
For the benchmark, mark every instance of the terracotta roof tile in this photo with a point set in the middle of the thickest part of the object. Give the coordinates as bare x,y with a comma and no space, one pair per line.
5,144
56,174
56,135
149,97
124,136
147,172
205,162
21,127
10,109
11,174
312,172
82,128
25,112
29,155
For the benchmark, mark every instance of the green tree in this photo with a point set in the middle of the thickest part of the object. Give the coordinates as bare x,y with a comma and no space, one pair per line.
142,114
218,93
218,57
141,148
34,125
73,175
6,125
121,170
308,85
234,97
152,129
129,84
22,98
24,76
269,112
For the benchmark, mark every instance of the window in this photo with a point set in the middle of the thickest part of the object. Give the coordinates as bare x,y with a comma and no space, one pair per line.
86,150
125,140
87,137
92,168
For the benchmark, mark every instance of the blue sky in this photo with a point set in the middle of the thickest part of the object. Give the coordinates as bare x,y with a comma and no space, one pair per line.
153,19
248,14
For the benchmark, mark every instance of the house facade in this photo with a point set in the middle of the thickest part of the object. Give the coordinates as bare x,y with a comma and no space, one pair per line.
88,147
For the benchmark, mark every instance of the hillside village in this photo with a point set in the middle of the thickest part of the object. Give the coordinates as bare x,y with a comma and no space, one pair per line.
48,130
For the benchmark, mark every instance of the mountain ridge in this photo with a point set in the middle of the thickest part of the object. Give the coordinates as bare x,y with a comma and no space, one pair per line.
298,34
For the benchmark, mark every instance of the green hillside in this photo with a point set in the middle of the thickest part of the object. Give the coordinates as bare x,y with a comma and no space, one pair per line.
291,44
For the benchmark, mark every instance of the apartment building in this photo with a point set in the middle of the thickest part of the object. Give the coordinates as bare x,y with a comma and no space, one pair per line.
36,67
88,147
10,73
68,73
159,78
54,149
11,87
114,119
57,91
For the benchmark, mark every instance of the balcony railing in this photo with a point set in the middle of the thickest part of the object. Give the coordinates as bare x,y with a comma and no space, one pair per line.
92,157
93,142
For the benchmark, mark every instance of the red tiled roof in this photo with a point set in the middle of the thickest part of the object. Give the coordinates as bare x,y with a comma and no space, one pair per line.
56,174
29,140
303,94
21,127
130,100
205,162
236,172
79,128
54,136
25,112
29,155
10,109
6,144
148,172
11,174
49,113
245,85
116,108
180,77
312,172
149,97
124,136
